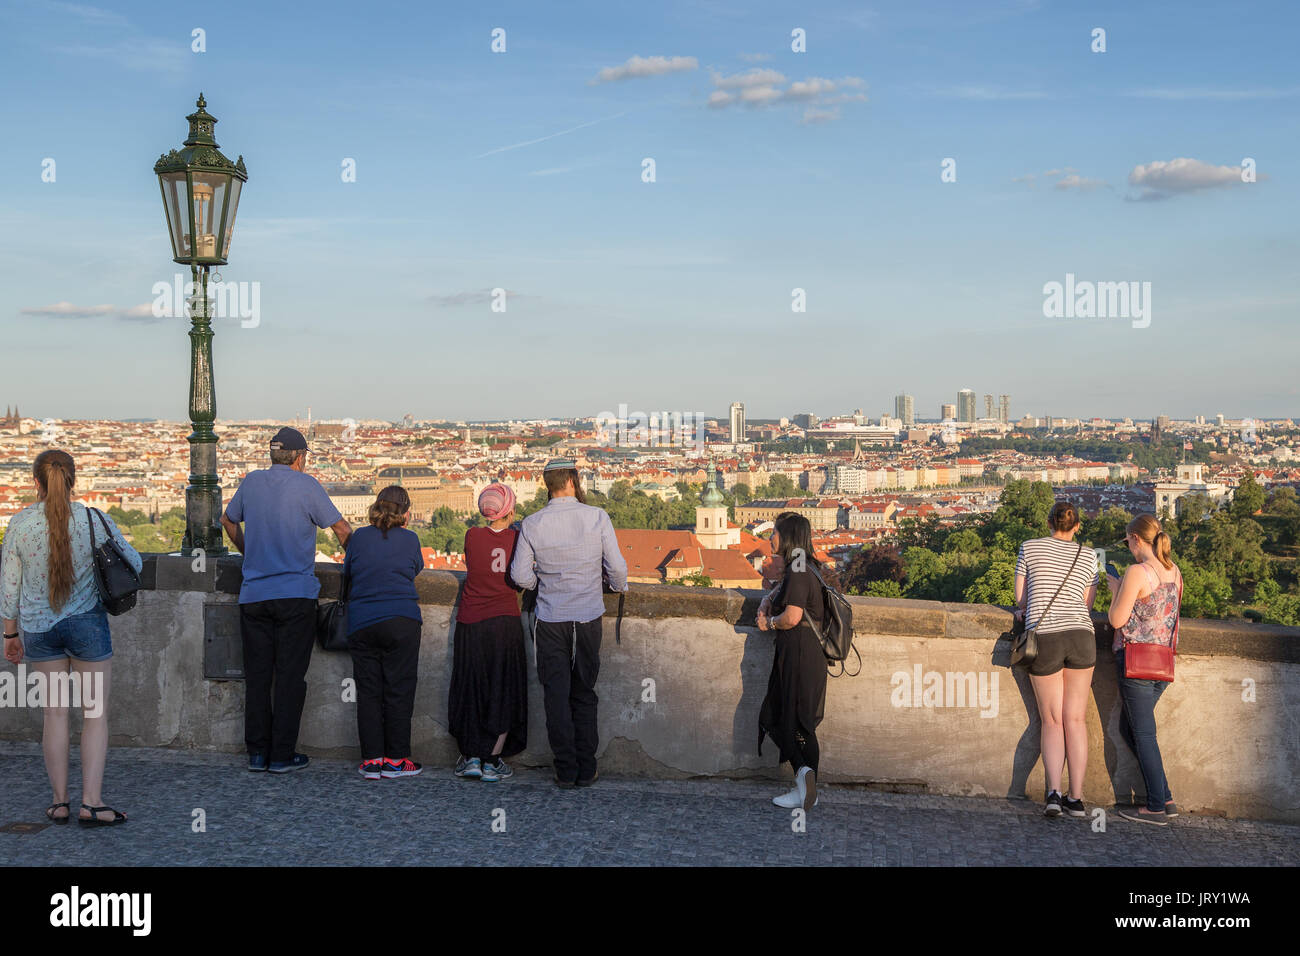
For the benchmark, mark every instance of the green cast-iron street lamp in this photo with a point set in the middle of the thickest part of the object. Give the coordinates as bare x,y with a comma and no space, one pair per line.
200,191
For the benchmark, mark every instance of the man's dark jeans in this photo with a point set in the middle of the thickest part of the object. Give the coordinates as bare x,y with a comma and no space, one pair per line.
1137,725
277,637
568,662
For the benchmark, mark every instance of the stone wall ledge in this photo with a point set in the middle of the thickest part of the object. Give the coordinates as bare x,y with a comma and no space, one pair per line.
872,617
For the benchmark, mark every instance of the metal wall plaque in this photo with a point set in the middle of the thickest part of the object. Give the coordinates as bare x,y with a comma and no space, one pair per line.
223,651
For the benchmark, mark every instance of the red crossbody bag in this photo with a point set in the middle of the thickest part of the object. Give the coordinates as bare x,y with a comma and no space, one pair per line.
1154,661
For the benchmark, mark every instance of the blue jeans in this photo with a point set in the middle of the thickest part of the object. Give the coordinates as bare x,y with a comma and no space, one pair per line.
83,637
1137,724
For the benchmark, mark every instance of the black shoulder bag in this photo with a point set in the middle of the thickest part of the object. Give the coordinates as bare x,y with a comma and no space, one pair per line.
332,620
115,579
1024,647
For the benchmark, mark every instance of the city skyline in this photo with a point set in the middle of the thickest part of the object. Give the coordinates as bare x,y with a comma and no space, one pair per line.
775,171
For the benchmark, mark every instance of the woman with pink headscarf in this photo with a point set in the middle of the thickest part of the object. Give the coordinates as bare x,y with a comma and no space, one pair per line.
488,703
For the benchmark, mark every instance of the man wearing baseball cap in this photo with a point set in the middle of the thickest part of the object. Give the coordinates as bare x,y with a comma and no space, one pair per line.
280,509
564,551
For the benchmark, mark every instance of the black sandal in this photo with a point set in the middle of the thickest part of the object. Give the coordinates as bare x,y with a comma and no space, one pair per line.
49,813
94,821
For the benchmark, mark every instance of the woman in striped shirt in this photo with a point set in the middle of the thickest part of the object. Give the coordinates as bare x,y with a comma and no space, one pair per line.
1056,584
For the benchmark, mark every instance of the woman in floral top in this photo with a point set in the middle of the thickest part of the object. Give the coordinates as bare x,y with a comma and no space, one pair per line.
1145,611
47,583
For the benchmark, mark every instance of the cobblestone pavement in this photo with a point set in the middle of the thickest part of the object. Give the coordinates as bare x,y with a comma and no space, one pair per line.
327,814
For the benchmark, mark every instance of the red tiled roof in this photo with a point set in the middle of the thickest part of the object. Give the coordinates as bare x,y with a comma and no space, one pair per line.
646,551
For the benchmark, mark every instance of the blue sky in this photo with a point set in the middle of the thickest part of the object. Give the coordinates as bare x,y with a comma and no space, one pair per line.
775,170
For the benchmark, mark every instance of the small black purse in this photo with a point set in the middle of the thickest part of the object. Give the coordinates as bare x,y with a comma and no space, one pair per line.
115,579
332,620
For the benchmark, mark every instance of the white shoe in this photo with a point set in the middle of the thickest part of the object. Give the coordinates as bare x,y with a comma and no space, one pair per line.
805,782
790,801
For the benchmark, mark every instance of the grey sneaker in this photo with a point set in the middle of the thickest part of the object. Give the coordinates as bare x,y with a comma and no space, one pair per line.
492,772
471,769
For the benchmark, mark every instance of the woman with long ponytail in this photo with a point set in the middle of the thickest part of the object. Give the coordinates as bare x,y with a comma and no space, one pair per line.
47,585
1145,611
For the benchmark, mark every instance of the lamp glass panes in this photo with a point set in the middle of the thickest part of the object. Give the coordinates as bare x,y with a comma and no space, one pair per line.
200,228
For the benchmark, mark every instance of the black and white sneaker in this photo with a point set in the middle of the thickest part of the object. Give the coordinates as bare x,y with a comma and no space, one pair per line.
1074,808
1053,807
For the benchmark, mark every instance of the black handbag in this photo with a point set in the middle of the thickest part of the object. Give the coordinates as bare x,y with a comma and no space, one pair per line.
1024,644
115,579
332,620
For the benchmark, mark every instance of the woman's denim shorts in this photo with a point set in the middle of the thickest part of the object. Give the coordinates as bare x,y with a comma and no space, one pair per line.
83,637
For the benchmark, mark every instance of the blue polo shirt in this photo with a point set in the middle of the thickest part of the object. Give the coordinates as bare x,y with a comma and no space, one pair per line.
281,510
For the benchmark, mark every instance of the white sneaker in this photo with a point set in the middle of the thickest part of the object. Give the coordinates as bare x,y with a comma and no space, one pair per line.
805,782
790,801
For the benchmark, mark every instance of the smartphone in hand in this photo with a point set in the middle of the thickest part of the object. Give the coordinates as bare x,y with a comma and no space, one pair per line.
1112,570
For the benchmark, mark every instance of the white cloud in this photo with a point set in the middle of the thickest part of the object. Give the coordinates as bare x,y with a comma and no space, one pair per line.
762,87
814,115
637,66
759,95
989,93
66,310
1075,181
139,312
758,76
1067,178
809,88
1202,93
1161,179
755,57
478,297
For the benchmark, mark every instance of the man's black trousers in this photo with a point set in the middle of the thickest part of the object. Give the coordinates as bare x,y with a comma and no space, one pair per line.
277,637
568,662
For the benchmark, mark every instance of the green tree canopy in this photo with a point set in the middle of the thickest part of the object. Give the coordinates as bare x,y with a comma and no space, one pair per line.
1248,498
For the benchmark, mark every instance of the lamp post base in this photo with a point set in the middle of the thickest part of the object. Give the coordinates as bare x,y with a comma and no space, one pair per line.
203,529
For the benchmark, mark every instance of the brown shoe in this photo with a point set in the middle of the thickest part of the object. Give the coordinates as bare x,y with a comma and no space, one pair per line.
565,784
590,780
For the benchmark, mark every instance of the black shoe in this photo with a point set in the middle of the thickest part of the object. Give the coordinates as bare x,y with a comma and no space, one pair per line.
588,781
1074,808
284,766
565,784
1171,810
1053,808
257,763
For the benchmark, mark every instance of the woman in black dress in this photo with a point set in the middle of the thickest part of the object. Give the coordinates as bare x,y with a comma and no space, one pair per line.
796,690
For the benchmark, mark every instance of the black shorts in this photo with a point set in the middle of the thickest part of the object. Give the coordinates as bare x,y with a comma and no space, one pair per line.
1075,649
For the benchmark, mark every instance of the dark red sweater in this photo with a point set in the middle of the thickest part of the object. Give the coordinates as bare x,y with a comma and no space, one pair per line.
488,591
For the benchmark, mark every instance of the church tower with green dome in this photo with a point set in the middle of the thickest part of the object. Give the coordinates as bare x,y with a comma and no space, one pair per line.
711,515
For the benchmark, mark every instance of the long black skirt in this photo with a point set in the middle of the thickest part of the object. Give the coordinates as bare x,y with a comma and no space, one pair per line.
796,691
489,687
